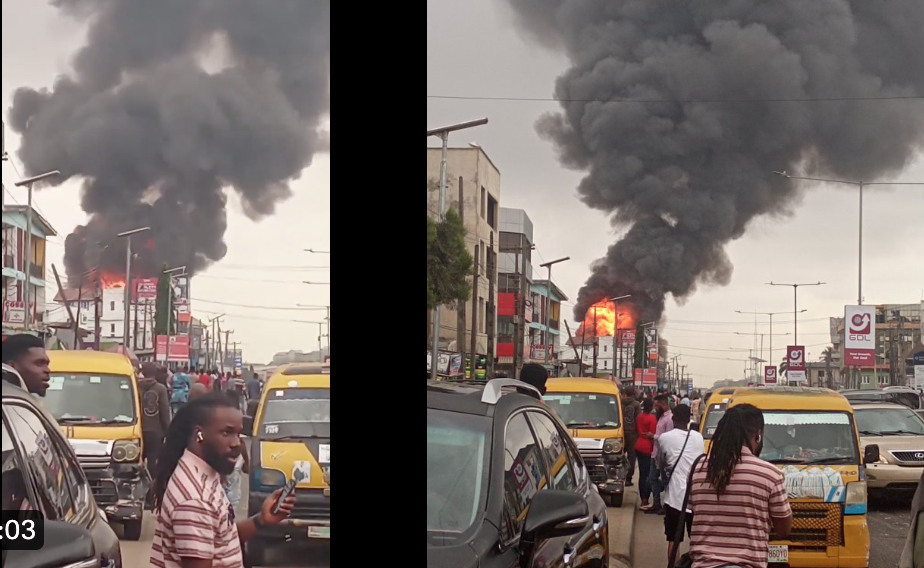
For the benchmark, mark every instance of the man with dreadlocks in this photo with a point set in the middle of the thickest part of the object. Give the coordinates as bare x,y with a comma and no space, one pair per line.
737,497
196,525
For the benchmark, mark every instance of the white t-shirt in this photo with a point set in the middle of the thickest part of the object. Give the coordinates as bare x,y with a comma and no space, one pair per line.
669,446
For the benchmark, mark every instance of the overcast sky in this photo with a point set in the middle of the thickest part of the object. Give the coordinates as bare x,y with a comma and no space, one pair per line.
474,50
37,46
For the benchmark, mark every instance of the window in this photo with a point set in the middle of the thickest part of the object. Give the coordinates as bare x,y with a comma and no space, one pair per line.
484,202
605,364
112,306
492,211
43,457
865,379
481,260
112,328
524,474
553,447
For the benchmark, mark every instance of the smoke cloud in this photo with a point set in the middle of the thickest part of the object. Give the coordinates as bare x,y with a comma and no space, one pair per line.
687,177
157,138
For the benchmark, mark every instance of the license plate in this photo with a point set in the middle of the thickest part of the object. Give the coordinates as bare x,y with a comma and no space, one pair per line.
777,553
319,532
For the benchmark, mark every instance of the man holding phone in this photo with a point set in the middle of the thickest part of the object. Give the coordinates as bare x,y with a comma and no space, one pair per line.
196,525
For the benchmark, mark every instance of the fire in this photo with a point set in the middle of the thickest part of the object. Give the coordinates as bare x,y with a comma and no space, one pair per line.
111,280
606,320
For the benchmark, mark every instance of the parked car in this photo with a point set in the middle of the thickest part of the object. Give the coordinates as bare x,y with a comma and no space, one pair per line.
897,395
506,485
899,433
40,471
65,546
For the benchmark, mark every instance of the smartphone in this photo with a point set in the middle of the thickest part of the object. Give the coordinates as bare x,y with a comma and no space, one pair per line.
286,491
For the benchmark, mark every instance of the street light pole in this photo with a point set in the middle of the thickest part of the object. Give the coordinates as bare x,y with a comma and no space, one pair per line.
795,305
770,315
170,273
126,334
548,304
615,301
443,134
860,185
29,183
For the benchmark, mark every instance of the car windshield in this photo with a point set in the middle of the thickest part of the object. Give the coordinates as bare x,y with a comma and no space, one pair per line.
91,398
583,410
714,413
297,406
809,437
457,468
889,422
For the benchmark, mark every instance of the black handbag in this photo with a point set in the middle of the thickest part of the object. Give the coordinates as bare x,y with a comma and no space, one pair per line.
685,560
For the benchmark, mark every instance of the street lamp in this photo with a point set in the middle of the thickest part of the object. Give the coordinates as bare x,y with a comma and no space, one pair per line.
127,235
795,306
770,315
548,303
317,283
617,367
312,251
860,185
29,183
443,134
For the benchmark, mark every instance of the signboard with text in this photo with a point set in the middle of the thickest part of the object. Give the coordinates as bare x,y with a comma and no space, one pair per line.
795,363
859,336
14,312
144,290
769,375
626,337
646,377
172,349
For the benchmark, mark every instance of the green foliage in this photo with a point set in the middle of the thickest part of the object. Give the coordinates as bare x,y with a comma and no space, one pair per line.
449,263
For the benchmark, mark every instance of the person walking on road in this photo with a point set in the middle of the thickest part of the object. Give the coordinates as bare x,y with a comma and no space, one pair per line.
196,524
678,450
647,424
630,411
656,474
736,497
180,384
155,418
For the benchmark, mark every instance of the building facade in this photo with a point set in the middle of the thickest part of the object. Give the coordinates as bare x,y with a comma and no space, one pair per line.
514,277
472,188
15,257
898,336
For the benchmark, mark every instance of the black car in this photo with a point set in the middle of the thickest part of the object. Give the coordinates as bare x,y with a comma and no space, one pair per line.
41,472
506,486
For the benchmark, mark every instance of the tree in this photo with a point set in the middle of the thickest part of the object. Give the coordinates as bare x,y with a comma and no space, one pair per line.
828,355
448,261
641,348
164,305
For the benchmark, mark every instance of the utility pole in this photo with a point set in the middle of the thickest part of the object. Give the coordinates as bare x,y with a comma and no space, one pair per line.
596,341
548,305
474,350
443,134
460,312
127,235
29,184
98,313
492,308
795,307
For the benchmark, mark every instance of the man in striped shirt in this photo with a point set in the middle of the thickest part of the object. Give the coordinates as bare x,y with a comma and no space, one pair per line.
196,526
736,497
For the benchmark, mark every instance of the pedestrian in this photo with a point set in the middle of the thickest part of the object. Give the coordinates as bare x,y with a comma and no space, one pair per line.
647,424
913,553
677,451
685,400
198,390
536,375
155,417
205,379
196,524
180,389
26,364
656,474
696,406
736,497
630,411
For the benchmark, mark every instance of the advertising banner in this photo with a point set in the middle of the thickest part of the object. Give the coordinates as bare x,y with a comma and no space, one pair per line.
14,312
626,337
144,290
769,375
859,336
172,349
651,340
646,377
795,363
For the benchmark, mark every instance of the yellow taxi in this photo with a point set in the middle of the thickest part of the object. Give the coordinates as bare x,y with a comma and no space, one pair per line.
291,441
591,409
715,404
810,434
95,399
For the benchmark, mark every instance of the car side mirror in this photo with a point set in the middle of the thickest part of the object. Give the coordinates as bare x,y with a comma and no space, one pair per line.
248,426
552,514
65,545
871,454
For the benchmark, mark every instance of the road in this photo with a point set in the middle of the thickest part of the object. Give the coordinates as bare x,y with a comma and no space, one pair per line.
889,521
137,554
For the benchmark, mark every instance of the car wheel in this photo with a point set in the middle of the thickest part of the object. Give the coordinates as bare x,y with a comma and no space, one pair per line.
131,530
254,553
614,500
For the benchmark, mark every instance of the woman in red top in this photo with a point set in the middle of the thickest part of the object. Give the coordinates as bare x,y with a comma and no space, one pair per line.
646,424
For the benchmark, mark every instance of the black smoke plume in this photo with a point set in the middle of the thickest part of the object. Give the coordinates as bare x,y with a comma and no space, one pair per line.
156,138
687,177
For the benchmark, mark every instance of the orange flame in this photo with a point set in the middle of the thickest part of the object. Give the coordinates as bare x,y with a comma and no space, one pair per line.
606,318
110,280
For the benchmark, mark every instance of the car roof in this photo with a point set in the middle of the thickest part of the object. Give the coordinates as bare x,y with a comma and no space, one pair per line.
581,384
300,375
790,398
90,362
878,405
468,397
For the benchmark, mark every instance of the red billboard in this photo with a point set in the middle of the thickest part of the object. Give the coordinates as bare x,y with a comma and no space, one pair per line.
626,337
646,377
769,375
144,290
172,349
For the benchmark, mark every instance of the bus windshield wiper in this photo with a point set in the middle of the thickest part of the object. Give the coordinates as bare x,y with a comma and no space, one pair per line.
840,459
895,432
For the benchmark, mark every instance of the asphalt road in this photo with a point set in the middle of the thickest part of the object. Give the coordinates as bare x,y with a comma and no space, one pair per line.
889,521
137,554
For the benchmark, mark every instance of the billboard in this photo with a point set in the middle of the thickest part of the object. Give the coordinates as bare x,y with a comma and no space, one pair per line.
181,298
795,363
769,375
144,290
860,336
172,349
651,340
14,312
646,377
626,337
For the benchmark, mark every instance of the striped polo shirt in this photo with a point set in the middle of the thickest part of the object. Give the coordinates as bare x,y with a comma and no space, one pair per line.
733,529
196,519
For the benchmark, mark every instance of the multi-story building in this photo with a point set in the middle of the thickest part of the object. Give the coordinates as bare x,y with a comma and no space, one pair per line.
112,316
473,189
540,337
514,276
15,257
898,334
